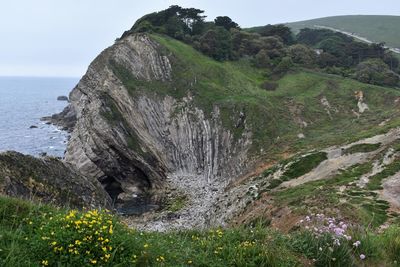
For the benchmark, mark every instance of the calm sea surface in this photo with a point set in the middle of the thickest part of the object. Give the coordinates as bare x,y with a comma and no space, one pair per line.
23,101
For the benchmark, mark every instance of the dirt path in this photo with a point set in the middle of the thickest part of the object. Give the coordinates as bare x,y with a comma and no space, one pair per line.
363,39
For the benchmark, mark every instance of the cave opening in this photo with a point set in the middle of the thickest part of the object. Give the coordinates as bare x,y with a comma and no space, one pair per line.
129,198
112,187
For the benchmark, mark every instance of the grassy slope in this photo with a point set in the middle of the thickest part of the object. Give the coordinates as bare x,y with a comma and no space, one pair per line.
379,29
235,87
36,235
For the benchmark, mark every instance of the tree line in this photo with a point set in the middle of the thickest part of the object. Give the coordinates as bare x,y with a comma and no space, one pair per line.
274,47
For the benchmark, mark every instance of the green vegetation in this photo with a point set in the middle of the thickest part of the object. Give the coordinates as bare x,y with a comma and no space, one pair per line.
375,182
293,167
36,235
380,28
359,206
234,87
303,165
361,148
176,203
375,71
272,48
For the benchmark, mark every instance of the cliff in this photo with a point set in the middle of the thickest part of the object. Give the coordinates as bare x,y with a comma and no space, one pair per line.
156,122
134,139
48,180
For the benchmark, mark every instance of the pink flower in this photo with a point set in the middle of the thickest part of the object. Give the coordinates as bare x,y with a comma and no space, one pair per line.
362,256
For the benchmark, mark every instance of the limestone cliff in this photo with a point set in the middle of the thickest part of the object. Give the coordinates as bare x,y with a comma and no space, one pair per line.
131,139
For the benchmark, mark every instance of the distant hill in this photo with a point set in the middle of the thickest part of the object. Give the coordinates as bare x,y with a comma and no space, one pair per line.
374,28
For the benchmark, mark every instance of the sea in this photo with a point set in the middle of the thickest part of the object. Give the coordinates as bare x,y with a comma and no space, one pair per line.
23,102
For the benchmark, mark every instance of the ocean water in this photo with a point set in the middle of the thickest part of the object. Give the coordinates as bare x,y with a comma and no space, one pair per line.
23,101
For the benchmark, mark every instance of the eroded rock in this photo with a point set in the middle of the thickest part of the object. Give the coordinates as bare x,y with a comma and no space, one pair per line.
48,180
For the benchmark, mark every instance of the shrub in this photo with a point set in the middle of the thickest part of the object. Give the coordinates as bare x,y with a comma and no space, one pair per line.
269,86
303,55
284,66
375,71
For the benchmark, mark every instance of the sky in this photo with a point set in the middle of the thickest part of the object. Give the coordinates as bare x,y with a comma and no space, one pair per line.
61,37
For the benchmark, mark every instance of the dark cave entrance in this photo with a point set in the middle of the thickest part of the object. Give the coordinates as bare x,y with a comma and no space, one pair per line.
131,203
112,187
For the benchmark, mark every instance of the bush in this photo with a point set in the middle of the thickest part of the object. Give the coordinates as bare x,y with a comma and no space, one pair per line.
269,86
375,71
284,66
301,54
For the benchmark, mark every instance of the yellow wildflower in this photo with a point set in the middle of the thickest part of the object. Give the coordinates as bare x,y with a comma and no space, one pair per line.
45,262
160,259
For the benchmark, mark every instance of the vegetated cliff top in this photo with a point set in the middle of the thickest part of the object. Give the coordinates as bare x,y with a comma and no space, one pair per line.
275,117
377,28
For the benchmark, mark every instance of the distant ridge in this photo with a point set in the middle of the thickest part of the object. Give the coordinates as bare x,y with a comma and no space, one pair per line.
376,28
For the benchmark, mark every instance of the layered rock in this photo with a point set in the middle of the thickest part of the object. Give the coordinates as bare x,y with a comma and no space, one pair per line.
48,180
131,141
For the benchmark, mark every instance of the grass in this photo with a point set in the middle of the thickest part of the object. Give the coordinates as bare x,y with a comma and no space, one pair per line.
360,205
380,28
375,181
304,165
340,193
271,116
361,148
293,168
38,235
176,203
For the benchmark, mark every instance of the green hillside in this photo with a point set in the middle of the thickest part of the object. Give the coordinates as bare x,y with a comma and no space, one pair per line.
374,28
275,117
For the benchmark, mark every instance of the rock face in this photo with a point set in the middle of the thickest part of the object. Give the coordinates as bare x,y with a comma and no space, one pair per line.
62,98
131,142
48,180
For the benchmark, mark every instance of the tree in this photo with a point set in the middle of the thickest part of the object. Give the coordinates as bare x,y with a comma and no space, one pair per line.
327,60
191,16
245,43
273,45
391,60
226,22
280,30
174,27
217,43
302,54
313,37
375,71
283,66
262,60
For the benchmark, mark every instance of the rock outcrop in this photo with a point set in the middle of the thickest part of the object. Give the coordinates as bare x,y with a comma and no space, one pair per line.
48,180
130,139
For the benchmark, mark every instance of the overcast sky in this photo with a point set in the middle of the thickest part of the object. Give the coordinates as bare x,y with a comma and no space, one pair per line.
61,37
